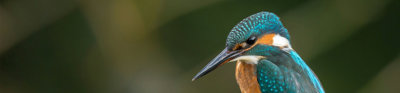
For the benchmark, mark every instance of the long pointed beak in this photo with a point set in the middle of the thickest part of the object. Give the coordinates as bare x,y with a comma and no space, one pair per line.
222,58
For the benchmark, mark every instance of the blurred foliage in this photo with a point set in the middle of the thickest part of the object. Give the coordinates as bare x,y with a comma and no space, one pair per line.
156,46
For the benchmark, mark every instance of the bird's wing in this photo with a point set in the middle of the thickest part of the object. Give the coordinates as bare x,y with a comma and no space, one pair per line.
281,78
271,78
306,74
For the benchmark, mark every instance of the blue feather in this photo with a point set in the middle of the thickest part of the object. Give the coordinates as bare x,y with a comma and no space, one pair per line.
260,23
309,72
286,73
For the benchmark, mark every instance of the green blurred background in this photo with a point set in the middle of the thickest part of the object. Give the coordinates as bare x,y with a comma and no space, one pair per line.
157,46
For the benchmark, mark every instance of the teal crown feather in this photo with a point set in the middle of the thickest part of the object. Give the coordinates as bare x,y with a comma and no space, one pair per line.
260,23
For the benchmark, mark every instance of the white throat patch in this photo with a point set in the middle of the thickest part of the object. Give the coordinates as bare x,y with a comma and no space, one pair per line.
249,59
280,41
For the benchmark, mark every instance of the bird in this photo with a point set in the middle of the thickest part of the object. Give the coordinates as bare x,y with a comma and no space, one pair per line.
265,60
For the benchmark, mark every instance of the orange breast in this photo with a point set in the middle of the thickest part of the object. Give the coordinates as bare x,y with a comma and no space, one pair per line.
246,78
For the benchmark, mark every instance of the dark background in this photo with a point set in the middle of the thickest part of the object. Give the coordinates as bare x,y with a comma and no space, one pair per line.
157,46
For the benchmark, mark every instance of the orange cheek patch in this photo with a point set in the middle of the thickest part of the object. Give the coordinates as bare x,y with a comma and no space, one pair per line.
266,39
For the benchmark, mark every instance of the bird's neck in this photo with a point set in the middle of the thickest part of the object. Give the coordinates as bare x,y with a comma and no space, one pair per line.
246,77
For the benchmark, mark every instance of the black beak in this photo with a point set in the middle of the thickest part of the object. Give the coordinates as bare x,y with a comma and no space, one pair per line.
222,58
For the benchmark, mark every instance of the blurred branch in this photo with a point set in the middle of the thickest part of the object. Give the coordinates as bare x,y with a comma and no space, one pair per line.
387,81
19,18
175,8
136,59
123,30
320,31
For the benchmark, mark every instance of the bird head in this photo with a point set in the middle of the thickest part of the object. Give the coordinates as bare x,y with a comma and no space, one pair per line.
256,37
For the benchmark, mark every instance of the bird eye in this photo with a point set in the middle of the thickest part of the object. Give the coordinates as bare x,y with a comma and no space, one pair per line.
246,44
251,40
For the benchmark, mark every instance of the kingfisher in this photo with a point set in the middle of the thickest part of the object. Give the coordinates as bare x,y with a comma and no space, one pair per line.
265,60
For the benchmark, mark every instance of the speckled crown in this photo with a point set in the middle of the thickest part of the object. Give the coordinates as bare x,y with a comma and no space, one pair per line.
257,24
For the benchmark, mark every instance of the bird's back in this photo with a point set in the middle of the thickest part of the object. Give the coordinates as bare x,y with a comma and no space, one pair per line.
286,74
